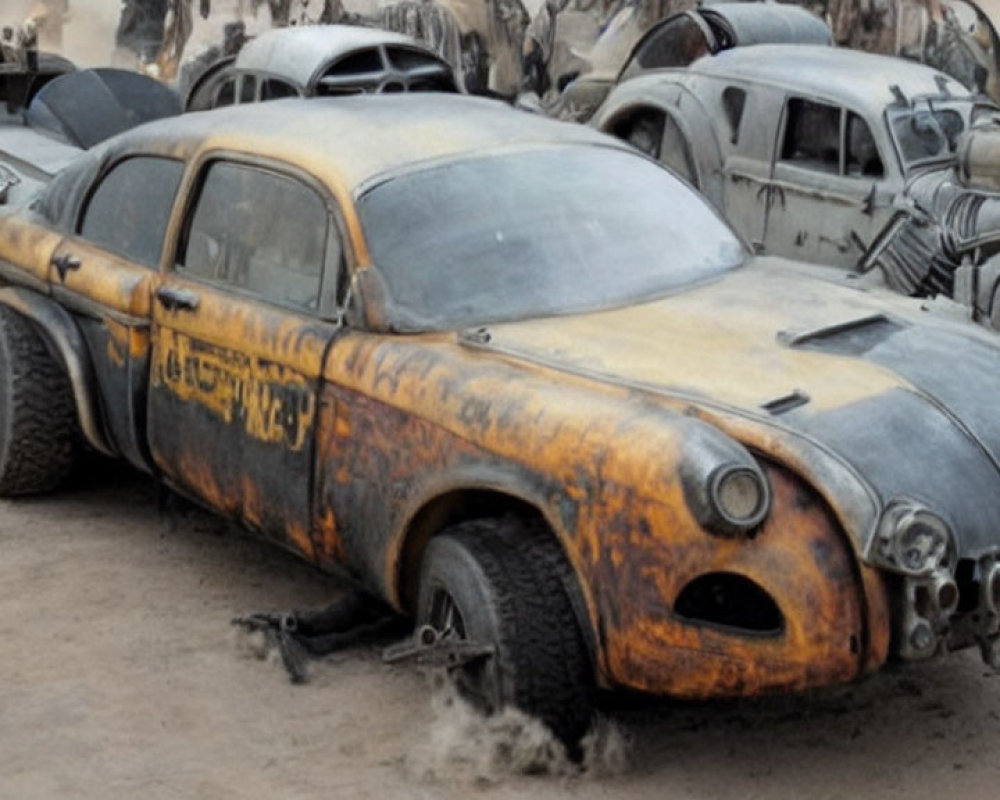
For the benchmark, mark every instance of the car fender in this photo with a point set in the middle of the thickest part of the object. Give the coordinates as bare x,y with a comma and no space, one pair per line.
64,337
688,113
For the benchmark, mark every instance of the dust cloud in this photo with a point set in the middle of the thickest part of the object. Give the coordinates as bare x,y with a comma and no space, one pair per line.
465,747
88,37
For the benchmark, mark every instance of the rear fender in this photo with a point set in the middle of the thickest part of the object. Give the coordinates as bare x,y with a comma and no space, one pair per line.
65,339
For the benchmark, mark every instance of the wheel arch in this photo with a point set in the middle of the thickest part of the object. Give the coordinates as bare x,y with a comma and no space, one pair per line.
64,338
448,506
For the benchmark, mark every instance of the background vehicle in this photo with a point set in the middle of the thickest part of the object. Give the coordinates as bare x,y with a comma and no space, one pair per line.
831,156
320,60
679,40
50,112
522,383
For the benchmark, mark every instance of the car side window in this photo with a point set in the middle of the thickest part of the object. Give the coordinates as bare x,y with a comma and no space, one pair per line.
862,158
248,89
226,95
734,100
274,89
260,231
812,135
128,212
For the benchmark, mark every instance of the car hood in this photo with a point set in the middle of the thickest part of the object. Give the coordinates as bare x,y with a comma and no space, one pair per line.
862,392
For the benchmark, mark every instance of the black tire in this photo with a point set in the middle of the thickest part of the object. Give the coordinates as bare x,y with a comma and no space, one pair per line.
506,582
38,425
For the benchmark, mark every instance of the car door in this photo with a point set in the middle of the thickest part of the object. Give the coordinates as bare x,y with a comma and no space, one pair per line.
829,197
747,120
103,272
240,327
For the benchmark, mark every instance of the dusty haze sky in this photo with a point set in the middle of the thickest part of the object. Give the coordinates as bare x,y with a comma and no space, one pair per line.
89,37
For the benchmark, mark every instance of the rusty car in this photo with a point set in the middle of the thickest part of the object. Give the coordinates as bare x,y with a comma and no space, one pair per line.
319,61
523,384
836,157
625,49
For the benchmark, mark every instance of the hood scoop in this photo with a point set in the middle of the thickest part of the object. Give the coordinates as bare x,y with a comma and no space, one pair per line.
851,338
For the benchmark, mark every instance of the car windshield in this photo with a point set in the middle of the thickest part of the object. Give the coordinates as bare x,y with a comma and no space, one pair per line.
928,133
538,233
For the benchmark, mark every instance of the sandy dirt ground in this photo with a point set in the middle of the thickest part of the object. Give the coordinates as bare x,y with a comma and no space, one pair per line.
121,677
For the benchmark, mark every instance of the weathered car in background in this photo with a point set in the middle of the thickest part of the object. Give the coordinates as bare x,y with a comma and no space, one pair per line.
834,157
524,384
317,61
679,40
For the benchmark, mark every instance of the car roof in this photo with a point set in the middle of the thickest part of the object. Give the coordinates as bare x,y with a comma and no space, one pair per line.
861,80
297,53
753,23
348,141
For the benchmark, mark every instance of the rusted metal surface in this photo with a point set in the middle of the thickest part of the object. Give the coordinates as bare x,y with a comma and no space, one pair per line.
352,445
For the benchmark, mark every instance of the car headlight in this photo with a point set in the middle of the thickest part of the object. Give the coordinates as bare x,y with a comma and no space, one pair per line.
913,540
740,497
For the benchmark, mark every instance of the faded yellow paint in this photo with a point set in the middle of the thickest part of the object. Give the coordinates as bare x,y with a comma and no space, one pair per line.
110,281
27,245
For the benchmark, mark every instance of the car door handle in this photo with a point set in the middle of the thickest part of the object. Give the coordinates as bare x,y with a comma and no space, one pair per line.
173,298
64,264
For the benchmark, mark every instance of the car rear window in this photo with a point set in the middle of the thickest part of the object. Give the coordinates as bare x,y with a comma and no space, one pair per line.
128,212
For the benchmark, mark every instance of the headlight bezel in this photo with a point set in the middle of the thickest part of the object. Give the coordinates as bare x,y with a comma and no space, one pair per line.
724,519
912,540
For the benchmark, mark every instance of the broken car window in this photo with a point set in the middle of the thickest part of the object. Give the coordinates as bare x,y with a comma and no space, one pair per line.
128,212
927,134
538,233
259,231
812,135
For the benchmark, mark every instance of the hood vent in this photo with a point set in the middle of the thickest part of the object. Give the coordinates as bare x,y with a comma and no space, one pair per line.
785,403
852,338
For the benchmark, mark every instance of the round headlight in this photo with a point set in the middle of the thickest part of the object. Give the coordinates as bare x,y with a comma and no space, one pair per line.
920,541
740,495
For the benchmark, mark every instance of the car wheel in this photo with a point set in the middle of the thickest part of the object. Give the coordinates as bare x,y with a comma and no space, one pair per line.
502,582
37,414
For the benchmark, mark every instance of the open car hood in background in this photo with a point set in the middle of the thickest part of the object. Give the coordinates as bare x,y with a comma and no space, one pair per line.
84,108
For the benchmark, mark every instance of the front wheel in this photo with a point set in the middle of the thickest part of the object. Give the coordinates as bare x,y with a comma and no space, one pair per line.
502,582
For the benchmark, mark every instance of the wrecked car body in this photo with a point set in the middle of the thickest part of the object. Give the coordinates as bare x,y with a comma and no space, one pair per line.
624,51
397,351
319,61
834,157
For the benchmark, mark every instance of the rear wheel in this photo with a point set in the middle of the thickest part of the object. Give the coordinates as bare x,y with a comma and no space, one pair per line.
37,414
502,582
